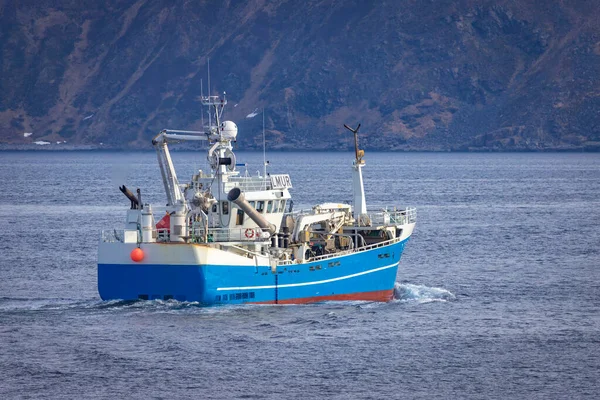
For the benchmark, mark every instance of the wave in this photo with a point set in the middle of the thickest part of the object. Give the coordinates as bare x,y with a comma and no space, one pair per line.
407,292
40,303
15,304
51,304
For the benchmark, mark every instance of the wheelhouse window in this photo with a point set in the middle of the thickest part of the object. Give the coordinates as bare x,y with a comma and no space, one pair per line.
270,206
239,219
260,206
275,206
282,206
225,207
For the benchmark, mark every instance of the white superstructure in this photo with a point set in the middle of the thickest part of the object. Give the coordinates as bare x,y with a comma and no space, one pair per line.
251,216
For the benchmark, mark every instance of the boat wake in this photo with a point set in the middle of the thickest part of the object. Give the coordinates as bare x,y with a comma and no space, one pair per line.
403,293
13,304
407,292
8,304
57,304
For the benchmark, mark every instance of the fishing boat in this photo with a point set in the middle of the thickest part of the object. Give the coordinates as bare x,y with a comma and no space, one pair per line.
226,237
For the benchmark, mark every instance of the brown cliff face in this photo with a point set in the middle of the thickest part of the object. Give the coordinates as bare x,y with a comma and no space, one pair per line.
420,75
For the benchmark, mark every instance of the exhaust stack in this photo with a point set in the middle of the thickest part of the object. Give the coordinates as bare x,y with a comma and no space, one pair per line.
237,197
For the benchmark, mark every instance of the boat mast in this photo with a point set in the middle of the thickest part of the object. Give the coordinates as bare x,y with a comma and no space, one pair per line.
264,151
359,202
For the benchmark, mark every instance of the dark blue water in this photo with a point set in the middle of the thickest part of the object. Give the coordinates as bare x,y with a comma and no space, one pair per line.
498,291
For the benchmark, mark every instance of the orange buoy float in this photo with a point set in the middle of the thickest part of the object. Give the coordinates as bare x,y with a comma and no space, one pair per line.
137,254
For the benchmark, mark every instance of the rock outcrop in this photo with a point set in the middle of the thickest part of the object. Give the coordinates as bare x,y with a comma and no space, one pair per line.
419,75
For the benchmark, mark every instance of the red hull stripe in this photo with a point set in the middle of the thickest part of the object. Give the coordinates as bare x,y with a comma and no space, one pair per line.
379,295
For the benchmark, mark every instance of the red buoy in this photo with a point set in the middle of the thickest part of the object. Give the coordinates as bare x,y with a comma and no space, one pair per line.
137,254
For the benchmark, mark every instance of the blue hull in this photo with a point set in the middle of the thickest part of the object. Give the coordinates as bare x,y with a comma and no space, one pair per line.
366,275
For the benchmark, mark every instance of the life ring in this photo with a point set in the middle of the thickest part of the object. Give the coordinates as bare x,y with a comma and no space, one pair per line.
249,233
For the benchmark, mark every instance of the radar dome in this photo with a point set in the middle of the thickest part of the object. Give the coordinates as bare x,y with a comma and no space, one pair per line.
228,130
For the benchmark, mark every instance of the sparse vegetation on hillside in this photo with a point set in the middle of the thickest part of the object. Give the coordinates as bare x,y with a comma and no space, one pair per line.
419,75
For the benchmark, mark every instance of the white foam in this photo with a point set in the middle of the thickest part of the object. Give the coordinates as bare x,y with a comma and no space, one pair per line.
27,134
88,117
406,292
41,143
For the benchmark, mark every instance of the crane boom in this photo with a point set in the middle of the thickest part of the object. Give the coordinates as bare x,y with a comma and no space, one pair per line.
167,170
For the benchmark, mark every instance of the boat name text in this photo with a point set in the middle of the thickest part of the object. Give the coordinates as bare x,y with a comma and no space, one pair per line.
281,181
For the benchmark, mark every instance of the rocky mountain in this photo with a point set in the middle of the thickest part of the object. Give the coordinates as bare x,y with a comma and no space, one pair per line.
418,74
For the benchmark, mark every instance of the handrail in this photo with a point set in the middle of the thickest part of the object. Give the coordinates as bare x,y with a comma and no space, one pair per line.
219,235
343,253
355,250
247,185
215,235
381,216
111,235
120,235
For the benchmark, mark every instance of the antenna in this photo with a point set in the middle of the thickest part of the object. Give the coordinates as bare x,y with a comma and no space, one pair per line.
201,111
209,116
208,63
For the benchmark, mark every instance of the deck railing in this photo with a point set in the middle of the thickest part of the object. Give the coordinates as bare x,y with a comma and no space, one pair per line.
382,216
112,235
249,184
199,235
120,235
395,217
342,253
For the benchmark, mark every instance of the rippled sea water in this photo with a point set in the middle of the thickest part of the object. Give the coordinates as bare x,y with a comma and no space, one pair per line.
497,294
